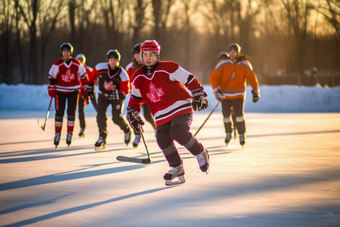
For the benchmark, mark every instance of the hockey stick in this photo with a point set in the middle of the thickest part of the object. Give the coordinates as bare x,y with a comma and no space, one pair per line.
47,114
207,118
137,160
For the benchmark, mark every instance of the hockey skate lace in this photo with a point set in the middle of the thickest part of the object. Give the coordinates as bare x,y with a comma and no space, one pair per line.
201,158
173,170
69,136
100,140
127,136
137,139
57,137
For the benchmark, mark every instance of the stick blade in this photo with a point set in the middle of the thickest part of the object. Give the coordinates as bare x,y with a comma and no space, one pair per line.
41,126
136,160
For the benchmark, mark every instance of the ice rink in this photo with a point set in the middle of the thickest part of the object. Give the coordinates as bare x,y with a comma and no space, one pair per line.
288,174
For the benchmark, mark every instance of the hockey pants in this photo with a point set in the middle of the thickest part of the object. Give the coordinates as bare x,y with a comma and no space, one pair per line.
60,103
177,129
117,107
237,106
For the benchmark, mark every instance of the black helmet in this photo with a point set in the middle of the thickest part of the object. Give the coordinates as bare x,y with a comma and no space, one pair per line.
223,55
136,48
113,54
66,46
234,46
82,58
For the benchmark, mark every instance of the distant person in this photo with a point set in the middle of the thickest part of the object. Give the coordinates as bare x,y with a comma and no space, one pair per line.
164,86
84,99
228,81
131,68
114,85
67,75
223,56
314,71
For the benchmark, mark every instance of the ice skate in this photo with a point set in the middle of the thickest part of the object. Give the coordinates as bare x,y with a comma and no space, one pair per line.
242,139
57,139
127,137
82,133
203,161
227,138
174,172
100,144
136,141
69,138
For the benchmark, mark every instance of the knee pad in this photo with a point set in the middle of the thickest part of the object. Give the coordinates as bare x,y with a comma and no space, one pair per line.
181,134
239,118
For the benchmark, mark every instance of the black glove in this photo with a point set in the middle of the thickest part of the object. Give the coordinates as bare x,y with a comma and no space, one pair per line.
90,88
218,94
199,99
134,119
256,95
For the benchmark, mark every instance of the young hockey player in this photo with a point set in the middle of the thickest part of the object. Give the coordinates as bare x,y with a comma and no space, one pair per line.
228,81
65,75
223,56
163,86
131,68
82,99
114,85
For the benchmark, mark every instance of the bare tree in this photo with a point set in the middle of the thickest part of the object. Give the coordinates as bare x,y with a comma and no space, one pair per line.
330,9
29,13
113,14
48,19
6,26
160,11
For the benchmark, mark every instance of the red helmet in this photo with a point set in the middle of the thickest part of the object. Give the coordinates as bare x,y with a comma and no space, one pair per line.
150,45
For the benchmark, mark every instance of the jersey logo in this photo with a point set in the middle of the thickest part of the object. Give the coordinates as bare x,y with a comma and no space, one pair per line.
233,75
155,93
68,76
109,86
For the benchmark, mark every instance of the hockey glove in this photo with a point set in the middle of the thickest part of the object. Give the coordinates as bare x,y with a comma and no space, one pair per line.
256,95
199,99
52,92
134,119
218,94
90,88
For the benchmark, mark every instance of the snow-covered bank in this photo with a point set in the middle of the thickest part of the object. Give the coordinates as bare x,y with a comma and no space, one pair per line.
274,99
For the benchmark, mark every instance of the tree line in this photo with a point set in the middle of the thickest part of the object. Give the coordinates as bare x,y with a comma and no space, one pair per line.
280,36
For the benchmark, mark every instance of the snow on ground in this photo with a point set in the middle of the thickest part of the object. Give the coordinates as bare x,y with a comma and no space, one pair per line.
274,99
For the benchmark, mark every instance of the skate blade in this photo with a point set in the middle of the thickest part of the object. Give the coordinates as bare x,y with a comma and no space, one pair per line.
99,148
180,180
81,136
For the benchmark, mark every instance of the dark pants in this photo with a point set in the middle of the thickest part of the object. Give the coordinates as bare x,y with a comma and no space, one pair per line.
117,107
235,105
81,109
148,116
60,104
177,129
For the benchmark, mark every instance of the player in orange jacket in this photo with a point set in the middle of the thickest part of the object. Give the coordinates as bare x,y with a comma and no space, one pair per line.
228,81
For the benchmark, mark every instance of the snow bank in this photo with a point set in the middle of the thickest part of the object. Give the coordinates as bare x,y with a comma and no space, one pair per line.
274,99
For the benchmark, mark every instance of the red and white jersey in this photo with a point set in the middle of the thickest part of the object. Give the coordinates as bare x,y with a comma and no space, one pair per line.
88,73
165,91
67,77
130,69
